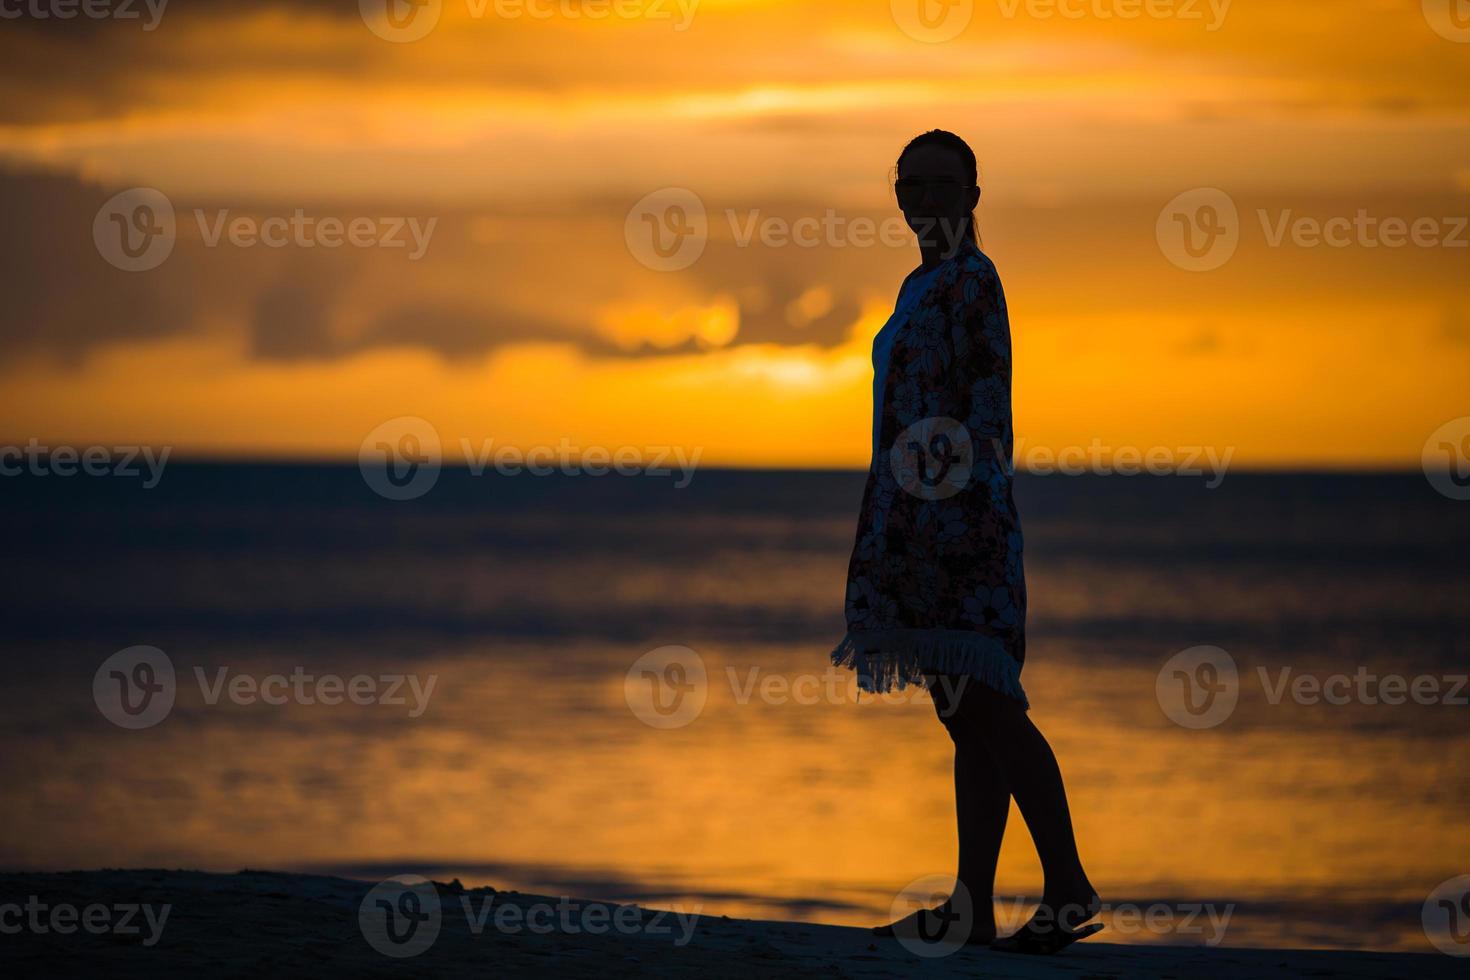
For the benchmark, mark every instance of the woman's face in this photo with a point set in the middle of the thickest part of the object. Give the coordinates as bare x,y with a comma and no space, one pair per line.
934,195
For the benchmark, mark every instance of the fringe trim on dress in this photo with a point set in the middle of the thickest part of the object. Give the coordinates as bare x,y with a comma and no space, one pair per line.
889,659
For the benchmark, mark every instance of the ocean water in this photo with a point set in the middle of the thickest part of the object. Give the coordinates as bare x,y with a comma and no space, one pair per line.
546,756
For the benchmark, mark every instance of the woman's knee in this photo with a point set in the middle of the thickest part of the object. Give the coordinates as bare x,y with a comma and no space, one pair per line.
970,709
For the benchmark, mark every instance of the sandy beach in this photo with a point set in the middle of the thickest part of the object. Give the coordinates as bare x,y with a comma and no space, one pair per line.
186,923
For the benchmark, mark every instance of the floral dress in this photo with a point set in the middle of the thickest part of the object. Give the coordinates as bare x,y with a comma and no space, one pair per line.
935,583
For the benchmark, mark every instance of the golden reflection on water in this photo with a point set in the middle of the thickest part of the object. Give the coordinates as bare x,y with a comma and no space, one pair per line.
529,768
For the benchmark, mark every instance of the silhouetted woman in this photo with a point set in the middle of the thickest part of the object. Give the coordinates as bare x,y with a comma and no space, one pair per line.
936,594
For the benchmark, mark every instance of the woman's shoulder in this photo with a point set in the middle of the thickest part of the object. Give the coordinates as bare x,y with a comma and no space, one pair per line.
976,264
975,280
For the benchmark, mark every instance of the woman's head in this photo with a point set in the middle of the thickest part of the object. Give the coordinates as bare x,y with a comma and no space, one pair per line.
938,188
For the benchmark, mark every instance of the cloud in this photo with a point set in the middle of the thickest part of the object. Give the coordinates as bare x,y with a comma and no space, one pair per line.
540,279
60,295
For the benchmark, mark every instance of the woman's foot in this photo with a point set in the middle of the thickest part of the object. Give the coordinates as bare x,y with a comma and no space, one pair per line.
1057,922
942,924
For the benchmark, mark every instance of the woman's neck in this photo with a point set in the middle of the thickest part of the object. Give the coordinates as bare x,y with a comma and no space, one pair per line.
937,254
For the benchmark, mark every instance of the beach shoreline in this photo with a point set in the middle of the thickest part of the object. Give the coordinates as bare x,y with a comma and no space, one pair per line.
188,923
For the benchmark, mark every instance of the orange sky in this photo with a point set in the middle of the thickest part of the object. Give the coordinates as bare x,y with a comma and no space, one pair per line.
526,140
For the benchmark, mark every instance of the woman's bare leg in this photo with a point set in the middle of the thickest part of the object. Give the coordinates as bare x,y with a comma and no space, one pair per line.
1029,768
1000,753
982,804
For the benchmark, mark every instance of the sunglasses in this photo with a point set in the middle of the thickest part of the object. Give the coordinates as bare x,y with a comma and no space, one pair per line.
945,192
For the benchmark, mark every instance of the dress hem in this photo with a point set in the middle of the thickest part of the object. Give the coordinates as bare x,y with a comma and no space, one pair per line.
891,659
